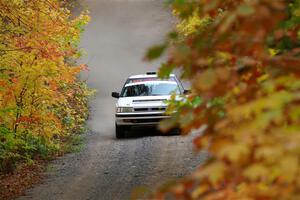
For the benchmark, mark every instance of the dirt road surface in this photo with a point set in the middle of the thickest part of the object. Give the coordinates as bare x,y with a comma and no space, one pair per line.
106,168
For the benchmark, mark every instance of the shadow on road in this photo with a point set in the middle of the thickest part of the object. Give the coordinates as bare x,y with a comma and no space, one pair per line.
148,132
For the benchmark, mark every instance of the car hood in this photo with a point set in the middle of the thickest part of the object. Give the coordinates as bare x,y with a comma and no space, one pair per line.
143,101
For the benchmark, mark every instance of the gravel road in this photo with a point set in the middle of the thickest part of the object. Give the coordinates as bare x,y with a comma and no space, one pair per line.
106,168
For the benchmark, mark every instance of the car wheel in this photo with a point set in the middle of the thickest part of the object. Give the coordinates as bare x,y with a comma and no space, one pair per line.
120,132
173,131
177,131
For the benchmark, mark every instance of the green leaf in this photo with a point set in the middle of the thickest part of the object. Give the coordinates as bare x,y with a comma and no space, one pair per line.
173,35
245,10
155,52
197,101
165,70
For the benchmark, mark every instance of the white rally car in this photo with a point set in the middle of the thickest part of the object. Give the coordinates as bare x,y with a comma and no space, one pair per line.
142,101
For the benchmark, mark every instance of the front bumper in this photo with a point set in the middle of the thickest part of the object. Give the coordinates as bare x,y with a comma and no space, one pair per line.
140,119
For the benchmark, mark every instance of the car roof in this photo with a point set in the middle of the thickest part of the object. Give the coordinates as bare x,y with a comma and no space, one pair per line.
150,82
146,76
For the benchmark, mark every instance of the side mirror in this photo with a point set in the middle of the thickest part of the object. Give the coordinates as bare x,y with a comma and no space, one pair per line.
186,91
115,94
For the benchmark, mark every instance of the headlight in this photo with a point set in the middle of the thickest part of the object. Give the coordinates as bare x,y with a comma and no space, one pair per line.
124,109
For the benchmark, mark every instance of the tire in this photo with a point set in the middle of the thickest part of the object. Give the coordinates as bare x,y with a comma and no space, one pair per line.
174,131
120,132
177,131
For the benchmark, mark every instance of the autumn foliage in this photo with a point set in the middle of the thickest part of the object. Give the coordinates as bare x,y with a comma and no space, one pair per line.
42,101
242,59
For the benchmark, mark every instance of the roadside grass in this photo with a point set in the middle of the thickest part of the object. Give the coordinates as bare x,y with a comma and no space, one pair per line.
74,143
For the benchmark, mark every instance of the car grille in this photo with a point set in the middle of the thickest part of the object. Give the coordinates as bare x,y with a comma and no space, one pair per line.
149,109
139,115
149,100
144,120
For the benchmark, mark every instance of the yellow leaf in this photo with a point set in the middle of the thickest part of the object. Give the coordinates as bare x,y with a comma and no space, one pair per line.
289,165
199,191
256,172
213,172
234,152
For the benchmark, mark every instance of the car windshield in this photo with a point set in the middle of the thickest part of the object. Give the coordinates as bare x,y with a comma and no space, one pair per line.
136,80
150,89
